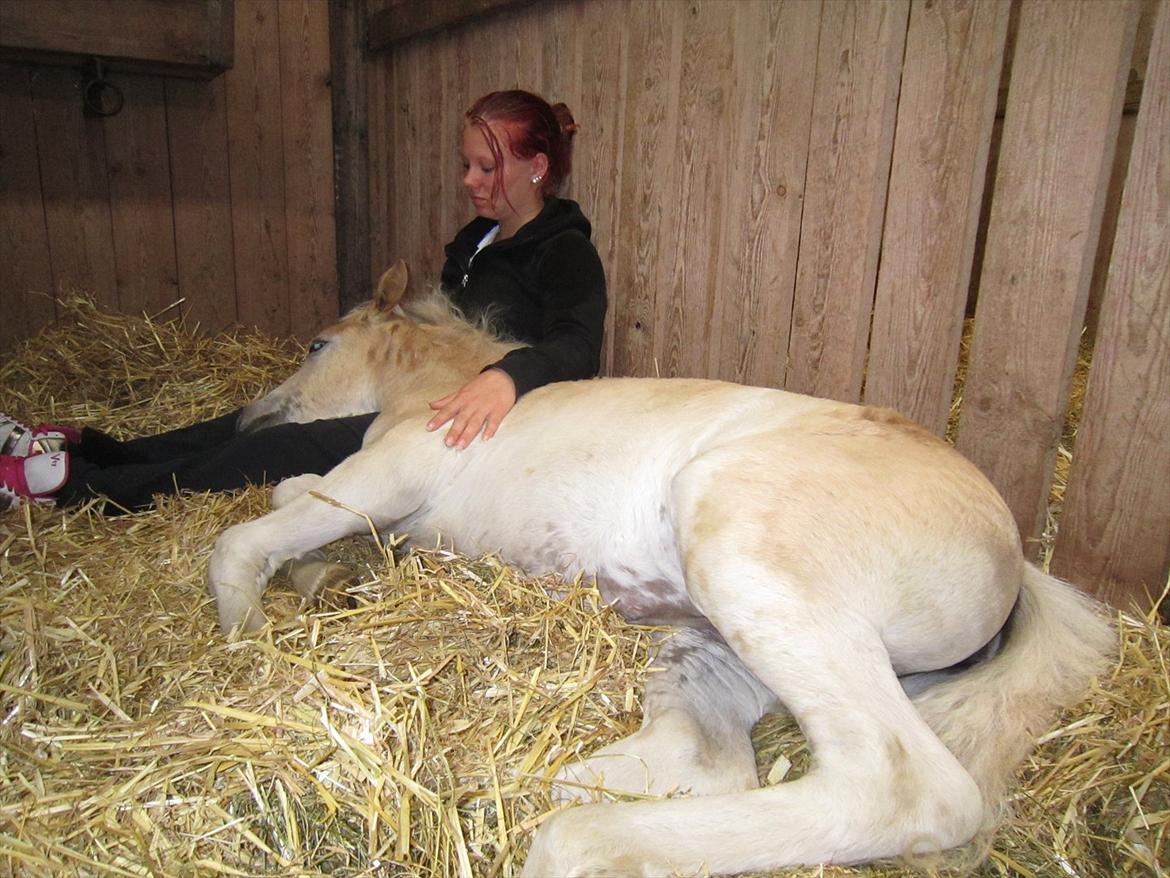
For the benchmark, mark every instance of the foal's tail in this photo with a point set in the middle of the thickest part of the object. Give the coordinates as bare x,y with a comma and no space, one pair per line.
990,716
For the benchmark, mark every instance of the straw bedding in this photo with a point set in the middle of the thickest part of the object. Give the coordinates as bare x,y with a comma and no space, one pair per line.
401,728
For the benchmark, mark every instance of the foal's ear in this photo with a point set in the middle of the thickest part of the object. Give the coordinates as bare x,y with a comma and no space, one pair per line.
392,286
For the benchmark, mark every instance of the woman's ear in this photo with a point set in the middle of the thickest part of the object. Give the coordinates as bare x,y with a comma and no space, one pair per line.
539,165
392,286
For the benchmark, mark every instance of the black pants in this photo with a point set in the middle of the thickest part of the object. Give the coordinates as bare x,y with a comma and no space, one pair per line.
208,456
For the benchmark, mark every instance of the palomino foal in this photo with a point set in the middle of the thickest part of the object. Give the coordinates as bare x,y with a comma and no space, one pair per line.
825,557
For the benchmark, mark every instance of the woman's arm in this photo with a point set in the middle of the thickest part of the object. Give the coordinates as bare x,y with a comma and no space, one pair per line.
572,284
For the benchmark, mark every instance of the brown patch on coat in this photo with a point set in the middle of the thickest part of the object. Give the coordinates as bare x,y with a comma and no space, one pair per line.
868,420
904,789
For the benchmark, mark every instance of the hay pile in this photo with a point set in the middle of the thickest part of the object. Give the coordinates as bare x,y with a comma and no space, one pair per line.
404,730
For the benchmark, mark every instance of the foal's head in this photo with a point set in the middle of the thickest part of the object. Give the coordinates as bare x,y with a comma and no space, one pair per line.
391,354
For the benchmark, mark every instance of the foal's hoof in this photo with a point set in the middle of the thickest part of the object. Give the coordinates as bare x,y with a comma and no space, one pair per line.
582,842
322,582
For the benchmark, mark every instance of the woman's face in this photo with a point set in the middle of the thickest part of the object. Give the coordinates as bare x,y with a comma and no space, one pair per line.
480,174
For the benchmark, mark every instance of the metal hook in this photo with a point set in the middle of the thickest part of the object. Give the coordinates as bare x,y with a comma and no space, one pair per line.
96,89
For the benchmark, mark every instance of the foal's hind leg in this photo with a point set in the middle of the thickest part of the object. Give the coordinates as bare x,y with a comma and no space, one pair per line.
698,713
881,784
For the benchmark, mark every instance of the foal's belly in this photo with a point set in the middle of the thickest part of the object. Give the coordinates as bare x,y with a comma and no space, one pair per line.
619,534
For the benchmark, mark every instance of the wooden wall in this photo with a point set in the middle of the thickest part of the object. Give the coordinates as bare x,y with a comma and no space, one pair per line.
217,193
790,193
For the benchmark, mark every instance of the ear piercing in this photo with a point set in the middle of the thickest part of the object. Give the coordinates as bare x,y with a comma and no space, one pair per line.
537,179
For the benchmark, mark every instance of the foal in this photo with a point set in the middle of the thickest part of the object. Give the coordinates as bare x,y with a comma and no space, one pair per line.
819,556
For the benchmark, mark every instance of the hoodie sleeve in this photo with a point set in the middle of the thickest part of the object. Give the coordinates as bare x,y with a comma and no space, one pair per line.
572,287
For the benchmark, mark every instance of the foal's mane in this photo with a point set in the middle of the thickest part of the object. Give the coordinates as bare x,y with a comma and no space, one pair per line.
435,309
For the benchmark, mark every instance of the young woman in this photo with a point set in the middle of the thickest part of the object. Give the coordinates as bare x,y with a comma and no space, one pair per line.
526,256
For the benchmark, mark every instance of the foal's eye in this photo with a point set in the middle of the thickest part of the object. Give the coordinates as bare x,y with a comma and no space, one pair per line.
316,345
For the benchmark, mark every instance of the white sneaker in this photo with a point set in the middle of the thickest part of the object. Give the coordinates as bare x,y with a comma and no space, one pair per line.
37,478
20,441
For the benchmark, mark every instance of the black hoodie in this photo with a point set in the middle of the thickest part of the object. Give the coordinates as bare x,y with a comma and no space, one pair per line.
544,287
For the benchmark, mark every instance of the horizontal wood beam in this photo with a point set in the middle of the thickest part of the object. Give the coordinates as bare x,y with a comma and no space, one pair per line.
404,19
194,38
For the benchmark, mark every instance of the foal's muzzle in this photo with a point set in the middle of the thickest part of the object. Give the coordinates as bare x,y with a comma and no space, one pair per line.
258,416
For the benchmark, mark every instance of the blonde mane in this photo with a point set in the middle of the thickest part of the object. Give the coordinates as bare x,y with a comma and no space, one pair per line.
435,348
434,308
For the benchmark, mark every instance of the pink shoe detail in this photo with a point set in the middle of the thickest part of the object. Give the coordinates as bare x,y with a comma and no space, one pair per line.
19,440
72,434
37,478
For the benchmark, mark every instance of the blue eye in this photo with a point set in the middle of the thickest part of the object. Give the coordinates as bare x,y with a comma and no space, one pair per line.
316,345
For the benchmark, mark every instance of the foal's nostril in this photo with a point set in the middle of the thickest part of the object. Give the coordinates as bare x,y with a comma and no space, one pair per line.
248,423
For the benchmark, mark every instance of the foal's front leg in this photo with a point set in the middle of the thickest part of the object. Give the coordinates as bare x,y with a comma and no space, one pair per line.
289,489
376,481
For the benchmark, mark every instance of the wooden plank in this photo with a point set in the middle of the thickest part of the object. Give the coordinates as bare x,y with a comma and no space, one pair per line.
308,165
140,199
380,164
158,37
256,155
649,239
954,54
858,63
347,41
598,157
454,209
26,278
198,143
407,158
765,179
436,169
1134,84
76,187
560,36
1114,537
403,19
526,44
1068,81
685,300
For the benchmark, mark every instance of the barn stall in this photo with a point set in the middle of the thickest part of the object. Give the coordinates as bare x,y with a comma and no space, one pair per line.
941,207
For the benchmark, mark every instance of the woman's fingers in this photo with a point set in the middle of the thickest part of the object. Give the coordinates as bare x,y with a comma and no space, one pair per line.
465,429
447,409
480,405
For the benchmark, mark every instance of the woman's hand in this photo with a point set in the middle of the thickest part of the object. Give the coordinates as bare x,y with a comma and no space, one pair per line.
479,405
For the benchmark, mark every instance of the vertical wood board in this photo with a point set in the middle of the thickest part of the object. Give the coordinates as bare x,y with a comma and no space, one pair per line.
434,169
1114,536
454,209
685,299
1068,79
256,151
408,158
351,150
140,193
950,81
307,117
76,188
764,177
26,279
198,144
381,143
598,156
858,65
648,247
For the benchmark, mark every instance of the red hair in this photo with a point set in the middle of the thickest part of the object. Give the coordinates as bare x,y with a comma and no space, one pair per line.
532,125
